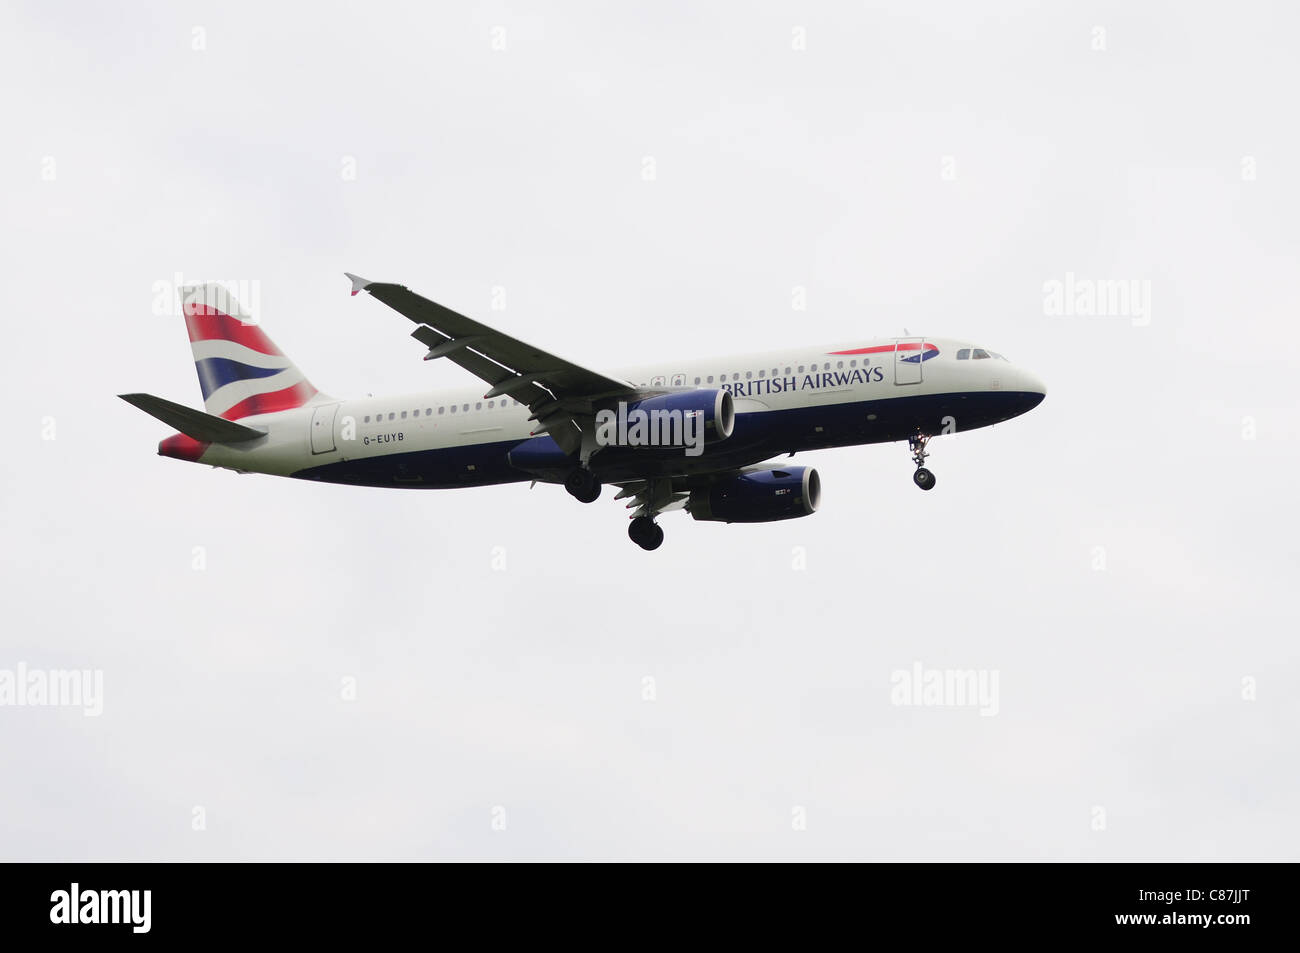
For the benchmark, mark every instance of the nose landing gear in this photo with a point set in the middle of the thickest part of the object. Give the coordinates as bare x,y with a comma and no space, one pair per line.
922,477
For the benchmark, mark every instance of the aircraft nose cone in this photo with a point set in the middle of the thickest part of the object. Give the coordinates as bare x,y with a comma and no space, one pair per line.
1032,384
1033,387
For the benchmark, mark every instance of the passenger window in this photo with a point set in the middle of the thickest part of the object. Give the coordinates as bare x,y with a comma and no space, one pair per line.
980,354
787,370
453,408
441,409
403,415
679,380
748,374
367,420
853,363
774,371
479,405
428,411
839,365
800,368
710,379
736,376
697,380
465,408
963,354
392,416
762,373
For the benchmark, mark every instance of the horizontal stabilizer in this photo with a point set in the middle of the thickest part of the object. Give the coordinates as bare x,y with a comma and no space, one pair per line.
193,423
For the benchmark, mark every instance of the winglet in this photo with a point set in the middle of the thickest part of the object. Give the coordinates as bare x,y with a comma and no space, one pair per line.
358,283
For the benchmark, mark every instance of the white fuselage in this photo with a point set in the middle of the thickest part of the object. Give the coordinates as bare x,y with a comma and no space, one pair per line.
812,381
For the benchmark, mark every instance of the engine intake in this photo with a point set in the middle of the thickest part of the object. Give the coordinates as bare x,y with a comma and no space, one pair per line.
759,496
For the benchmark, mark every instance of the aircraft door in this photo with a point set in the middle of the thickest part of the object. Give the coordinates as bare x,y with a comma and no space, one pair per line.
907,360
322,428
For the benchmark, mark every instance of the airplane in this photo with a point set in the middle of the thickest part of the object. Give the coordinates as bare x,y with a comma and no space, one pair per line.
544,419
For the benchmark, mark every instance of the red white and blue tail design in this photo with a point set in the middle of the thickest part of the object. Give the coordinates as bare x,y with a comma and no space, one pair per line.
241,371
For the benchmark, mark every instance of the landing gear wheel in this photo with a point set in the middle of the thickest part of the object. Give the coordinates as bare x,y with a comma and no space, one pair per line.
922,477
582,486
656,538
645,533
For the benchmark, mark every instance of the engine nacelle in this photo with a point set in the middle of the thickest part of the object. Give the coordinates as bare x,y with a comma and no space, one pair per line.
668,420
759,496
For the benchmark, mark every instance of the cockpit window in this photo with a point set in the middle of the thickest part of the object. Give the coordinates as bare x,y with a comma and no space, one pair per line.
978,354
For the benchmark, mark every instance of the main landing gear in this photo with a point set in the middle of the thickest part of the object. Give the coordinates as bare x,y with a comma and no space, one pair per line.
922,477
645,532
582,486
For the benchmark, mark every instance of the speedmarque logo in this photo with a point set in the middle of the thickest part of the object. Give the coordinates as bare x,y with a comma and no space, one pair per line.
102,906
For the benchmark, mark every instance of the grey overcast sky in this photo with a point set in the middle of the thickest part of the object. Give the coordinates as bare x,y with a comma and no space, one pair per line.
1124,558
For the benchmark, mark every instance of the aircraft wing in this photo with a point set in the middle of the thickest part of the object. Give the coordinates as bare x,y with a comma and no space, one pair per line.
559,394
652,496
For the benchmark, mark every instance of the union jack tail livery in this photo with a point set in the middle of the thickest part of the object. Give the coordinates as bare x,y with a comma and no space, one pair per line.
241,371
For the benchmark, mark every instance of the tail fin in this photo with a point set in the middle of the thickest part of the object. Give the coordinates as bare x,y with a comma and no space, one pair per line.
241,372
